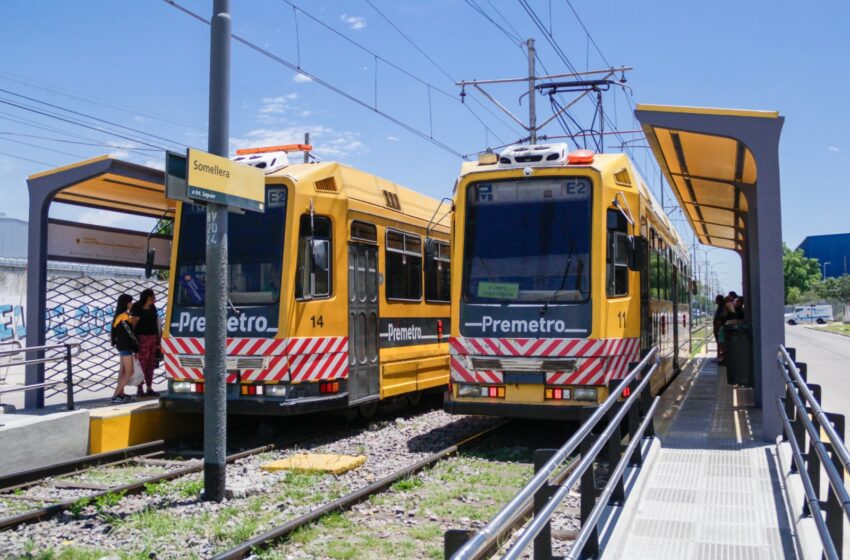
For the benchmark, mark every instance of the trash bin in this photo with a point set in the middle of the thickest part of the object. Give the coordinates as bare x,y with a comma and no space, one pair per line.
739,354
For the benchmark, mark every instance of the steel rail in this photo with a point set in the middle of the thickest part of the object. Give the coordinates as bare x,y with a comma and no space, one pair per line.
487,536
543,516
596,513
33,476
812,500
823,420
193,466
836,481
346,502
46,512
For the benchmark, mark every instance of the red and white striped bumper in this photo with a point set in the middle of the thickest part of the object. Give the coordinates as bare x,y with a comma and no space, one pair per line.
293,359
599,360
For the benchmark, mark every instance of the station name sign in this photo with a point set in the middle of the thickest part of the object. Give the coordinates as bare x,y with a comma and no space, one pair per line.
215,179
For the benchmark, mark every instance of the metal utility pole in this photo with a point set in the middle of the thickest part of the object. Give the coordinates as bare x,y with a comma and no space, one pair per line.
215,306
532,101
306,143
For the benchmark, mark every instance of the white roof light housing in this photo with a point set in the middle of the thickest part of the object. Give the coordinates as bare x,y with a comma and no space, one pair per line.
534,155
269,162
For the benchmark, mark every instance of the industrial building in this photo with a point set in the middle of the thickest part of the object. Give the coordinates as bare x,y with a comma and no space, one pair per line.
832,251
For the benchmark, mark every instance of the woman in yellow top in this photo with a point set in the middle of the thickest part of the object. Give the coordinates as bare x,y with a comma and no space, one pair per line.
125,342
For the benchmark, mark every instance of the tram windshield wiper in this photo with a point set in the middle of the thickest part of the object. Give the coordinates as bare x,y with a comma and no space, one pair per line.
564,277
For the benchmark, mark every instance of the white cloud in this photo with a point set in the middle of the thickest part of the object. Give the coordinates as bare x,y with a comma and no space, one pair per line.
833,149
274,105
392,139
354,22
301,78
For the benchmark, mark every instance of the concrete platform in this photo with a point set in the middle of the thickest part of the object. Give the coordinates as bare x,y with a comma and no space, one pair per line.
714,490
30,441
118,426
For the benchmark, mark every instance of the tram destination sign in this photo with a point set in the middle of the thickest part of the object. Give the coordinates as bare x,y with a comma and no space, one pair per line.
216,179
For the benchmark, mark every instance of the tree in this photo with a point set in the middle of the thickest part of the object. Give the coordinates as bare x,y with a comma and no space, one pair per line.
834,289
801,272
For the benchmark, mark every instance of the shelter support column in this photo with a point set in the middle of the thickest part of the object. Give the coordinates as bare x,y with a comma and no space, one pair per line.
36,289
764,257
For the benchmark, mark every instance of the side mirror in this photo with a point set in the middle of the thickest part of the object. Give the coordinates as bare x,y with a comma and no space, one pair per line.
430,253
637,252
149,260
319,253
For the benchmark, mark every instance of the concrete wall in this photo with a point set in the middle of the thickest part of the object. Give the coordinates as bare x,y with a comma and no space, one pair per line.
29,442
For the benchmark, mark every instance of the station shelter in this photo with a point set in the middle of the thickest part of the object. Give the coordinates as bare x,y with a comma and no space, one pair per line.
80,309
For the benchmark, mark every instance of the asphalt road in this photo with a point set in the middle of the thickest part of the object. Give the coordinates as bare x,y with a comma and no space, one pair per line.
828,358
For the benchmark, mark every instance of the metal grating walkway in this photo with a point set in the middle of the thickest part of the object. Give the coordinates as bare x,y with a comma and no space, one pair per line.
713,491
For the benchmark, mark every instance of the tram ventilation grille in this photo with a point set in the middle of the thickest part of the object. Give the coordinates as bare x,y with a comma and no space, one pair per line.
528,159
622,177
233,362
392,200
523,364
326,185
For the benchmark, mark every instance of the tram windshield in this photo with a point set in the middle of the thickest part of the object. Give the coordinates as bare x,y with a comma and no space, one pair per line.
255,254
527,241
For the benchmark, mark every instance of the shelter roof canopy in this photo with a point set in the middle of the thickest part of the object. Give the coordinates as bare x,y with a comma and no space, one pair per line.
109,184
707,173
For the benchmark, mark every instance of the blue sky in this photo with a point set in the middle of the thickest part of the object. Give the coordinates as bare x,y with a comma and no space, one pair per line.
144,65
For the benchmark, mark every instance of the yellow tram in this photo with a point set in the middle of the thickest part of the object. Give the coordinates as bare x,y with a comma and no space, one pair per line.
338,294
569,268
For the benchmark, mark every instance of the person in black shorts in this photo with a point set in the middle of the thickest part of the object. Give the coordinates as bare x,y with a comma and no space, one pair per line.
125,342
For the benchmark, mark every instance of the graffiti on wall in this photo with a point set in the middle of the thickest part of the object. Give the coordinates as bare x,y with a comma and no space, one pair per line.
12,322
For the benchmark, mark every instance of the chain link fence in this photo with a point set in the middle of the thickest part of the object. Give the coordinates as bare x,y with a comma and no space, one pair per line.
80,309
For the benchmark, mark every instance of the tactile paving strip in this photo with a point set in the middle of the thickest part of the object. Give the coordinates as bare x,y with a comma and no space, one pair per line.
712,492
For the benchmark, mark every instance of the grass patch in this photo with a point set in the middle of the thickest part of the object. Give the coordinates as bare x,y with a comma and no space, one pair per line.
406,484
840,328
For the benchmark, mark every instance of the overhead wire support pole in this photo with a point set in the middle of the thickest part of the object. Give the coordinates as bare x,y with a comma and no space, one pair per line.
532,100
215,306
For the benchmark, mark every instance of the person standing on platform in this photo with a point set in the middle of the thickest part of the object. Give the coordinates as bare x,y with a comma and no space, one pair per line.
126,343
145,317
719,321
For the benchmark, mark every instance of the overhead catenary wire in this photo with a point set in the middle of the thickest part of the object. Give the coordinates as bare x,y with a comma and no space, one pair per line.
82,124
44,163
380,59
98,119
40,126
445,73
78,142
339,91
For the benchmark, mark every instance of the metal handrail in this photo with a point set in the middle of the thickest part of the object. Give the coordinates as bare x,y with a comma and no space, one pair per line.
66,357
836,480
812,499
590,523
805,404
487,536
543,517
824,422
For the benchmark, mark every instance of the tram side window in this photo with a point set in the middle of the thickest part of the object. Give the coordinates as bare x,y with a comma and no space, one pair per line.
617,259
313,277
403,257
438,274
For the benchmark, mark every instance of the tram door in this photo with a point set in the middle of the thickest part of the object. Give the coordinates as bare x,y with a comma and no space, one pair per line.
363,372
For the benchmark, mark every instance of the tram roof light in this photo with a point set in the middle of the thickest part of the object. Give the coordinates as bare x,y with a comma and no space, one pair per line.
581,156
281,148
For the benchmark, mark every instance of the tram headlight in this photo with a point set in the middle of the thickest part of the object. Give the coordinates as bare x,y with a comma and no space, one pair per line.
275,390
181,387
585,394
468,391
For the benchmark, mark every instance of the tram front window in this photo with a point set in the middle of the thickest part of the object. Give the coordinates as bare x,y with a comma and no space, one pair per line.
527,241
255,254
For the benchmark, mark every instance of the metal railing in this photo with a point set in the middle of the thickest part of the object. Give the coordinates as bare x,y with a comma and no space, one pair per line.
69,351
548,496
804,422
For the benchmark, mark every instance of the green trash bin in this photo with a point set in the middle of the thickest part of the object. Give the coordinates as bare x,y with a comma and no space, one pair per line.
739,354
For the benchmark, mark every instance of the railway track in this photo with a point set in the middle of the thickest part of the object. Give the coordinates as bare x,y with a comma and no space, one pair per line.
150,456
346,502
